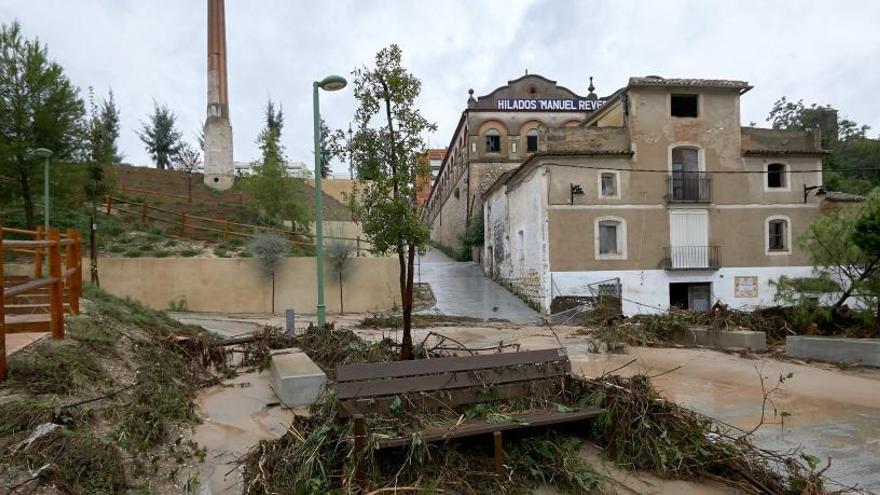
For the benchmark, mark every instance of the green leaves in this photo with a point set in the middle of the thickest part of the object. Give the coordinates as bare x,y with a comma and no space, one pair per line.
160,137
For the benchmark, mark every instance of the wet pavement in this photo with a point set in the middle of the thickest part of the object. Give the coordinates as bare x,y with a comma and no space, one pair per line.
461,289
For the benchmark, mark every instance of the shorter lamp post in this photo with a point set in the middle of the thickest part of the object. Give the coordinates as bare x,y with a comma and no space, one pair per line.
820,191
329,83
45,155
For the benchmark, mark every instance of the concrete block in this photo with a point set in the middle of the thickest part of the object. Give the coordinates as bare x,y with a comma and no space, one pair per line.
834,349
297,380
726,339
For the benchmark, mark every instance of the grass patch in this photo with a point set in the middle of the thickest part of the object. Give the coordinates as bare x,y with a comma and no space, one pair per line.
245,254
160,401
189,253
160,253
55,367
19,417
79,463
133,253
171,243
91,333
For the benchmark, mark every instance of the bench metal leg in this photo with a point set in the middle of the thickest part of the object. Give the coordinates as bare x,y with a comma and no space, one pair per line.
499,456
360,447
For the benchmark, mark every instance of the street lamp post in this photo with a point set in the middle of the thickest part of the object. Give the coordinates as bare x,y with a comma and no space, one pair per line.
329,83
45,155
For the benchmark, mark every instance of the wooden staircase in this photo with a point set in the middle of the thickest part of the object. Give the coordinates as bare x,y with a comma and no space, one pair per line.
37,303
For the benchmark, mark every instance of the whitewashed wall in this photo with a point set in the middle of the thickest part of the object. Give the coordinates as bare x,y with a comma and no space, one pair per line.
647,291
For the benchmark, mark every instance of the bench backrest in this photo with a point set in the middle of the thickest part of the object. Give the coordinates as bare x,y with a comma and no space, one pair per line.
461,380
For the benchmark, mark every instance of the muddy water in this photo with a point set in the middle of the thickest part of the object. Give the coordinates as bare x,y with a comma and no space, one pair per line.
235,416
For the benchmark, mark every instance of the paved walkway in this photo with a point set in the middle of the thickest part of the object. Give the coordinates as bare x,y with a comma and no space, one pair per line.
461,289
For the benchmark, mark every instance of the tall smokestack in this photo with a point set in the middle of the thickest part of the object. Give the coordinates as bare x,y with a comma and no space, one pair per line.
219,169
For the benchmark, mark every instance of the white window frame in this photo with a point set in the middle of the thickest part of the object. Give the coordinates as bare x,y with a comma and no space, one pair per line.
788,227
616,175
786,177
621,239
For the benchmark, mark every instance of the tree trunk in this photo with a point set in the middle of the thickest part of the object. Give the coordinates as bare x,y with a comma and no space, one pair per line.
27,199
406,301
341,307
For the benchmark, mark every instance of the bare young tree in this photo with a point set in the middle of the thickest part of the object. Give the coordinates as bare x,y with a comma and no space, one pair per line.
187,160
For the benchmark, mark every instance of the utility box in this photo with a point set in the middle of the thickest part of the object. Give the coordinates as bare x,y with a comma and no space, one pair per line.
297,380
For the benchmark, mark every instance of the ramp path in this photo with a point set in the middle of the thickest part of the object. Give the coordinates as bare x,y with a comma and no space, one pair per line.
461,289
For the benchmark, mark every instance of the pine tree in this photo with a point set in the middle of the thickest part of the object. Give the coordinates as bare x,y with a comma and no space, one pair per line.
160,137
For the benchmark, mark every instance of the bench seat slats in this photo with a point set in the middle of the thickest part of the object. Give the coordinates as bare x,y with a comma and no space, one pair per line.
450,398
371,371
472,378
471,428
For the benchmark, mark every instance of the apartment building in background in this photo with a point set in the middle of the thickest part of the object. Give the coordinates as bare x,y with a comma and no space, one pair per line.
662,193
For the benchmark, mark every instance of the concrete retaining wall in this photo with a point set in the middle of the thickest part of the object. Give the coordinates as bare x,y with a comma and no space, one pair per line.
834,349
725,339
236,285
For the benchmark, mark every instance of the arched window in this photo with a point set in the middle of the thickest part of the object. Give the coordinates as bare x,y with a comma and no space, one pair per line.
493,141
532,141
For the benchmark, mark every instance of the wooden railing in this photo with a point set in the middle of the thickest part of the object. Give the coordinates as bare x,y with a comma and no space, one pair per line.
63,253
185,224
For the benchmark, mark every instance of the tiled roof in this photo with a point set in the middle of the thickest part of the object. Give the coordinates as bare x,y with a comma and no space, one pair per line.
698,83
842,197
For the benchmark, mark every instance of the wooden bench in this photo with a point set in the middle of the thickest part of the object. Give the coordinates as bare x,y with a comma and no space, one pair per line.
450,382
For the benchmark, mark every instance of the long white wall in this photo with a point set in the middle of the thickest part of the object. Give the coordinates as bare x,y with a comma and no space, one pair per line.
516,238
647,291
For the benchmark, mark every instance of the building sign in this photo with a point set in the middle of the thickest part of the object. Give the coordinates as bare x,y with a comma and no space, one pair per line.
555,104
745,286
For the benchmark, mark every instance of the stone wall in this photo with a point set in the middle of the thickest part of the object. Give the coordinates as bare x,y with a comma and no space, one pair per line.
237,285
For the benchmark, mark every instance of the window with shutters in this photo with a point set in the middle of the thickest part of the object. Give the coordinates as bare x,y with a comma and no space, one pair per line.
778,235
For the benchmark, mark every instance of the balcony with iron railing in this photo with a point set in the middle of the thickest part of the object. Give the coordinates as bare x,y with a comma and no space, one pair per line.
689,187
692,258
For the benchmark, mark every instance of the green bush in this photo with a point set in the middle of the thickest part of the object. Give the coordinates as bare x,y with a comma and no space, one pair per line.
189,253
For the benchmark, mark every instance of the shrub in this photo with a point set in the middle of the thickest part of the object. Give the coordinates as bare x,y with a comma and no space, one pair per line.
269,249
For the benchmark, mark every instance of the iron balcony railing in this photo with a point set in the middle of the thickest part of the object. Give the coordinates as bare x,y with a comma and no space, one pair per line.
689,187
692,258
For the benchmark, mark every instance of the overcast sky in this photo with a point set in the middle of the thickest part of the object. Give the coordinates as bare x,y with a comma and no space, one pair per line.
823,52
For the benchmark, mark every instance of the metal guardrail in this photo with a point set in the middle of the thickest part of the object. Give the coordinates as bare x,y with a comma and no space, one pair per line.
692,258
689,187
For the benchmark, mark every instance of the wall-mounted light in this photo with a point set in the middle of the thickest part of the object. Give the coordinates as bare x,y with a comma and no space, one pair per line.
576,189
820,191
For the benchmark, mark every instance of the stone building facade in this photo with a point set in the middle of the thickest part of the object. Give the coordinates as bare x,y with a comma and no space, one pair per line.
496,133
661,192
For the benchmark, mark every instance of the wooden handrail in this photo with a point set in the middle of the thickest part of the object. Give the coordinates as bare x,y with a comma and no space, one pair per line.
29,286
222,223
64,273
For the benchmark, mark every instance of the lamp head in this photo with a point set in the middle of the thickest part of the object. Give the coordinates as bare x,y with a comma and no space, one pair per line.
41,153
332,83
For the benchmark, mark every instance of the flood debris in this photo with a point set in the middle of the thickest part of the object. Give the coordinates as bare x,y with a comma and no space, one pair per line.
103,410
639,431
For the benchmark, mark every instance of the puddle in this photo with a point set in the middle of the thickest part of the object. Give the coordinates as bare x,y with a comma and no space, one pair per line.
234,418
